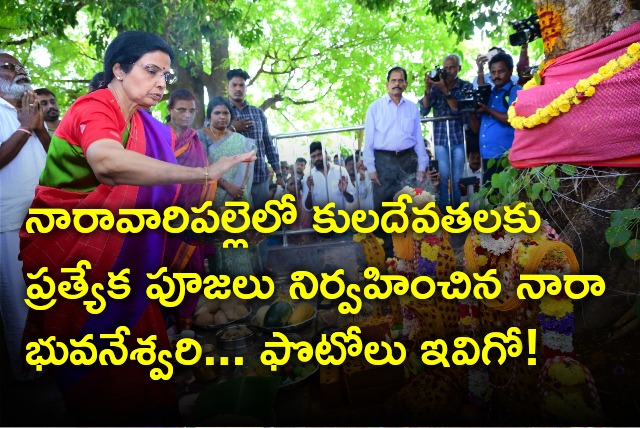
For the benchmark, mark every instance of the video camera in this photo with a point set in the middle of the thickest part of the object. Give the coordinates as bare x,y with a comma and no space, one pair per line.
527,30
471,98
437,73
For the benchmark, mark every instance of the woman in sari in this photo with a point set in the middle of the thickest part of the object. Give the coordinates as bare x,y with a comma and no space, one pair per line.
106,153
188,149
219,141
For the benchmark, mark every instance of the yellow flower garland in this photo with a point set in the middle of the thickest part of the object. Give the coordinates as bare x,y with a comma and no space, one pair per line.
555,307
429,251
585,88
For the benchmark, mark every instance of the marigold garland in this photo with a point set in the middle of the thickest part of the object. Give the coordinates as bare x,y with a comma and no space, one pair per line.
584,89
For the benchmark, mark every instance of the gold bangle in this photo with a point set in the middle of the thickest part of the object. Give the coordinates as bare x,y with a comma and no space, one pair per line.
206,176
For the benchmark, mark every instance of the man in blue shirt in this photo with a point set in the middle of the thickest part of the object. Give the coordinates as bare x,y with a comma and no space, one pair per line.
393,144
495,132
443,96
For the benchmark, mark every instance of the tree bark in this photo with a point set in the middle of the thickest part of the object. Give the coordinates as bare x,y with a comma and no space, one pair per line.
216,82
567,25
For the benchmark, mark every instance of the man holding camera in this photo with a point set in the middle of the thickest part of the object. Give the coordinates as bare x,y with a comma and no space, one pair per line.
495,132
485,78
443,91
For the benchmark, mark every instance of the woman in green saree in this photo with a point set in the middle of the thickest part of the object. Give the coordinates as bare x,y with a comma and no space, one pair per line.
235,185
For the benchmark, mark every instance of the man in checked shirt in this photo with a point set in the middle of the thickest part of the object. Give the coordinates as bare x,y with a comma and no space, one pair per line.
252,123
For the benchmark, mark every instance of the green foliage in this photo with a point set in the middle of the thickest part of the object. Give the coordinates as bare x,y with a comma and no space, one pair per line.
543,184
317,64
465,16
512,185
623,225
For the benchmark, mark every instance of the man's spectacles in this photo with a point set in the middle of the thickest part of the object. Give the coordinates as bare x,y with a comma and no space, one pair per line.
153,71
14,67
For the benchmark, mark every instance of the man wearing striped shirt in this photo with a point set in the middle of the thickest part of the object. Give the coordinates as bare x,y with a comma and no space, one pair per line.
252,123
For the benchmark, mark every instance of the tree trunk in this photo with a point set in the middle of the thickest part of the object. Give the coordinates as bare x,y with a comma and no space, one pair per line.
566,26
216,82
570,24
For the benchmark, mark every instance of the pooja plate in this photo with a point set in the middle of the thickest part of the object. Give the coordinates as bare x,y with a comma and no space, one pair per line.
215,327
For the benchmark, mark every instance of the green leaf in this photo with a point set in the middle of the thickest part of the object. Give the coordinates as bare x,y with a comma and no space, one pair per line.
491,162
514,187
619,181
568,169
504,189
547,196
631,213
536,189
549,169
617,236
618,218
632,248
554,183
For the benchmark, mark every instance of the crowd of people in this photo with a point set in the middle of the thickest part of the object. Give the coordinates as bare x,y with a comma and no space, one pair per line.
109,152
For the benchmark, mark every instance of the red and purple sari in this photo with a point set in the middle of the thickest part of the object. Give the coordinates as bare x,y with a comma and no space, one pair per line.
180,256
103,394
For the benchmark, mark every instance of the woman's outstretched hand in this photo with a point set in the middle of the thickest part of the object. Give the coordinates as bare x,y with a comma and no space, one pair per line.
224,164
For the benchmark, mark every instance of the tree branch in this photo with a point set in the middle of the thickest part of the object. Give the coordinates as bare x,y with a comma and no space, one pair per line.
26,40
270,102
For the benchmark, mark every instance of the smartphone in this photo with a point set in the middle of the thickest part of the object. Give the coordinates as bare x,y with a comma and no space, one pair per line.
468,181
491,54
433,165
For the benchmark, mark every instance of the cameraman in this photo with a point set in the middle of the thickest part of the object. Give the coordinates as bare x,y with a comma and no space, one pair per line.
443,94
485,78
495,132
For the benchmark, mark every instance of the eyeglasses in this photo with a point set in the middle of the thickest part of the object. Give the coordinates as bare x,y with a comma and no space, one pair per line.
14,67
153,71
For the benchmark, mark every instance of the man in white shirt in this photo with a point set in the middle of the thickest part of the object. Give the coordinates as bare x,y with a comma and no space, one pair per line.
24,141
362,183
301,164
326,182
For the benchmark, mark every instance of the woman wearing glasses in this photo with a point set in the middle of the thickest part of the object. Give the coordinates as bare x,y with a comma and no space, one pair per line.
107,153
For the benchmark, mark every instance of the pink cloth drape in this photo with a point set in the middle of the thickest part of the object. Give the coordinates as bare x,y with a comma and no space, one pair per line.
601,131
